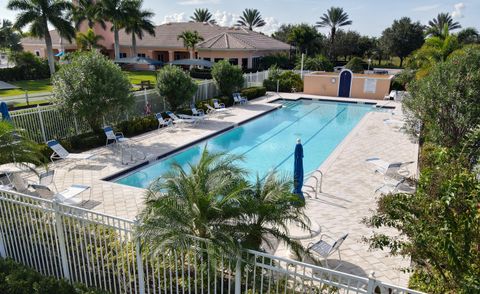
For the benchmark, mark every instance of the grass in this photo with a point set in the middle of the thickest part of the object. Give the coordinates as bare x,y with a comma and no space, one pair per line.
33,87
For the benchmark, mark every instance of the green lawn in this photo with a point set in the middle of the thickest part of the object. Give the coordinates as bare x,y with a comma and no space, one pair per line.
136,77
37,86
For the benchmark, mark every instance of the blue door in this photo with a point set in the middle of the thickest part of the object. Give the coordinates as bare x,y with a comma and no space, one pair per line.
345,83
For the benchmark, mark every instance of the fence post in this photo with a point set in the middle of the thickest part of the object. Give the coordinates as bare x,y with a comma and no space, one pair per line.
3,251
371,283
41,124
141,276
238,275
61,239
76,125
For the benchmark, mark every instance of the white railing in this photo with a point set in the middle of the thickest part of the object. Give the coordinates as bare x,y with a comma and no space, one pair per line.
101,251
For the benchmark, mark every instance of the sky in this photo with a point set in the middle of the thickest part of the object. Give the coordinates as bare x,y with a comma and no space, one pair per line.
370,17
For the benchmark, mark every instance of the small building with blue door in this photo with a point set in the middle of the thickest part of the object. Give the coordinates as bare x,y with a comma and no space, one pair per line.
347,84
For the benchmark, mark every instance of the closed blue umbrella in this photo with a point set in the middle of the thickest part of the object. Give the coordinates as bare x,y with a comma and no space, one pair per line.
298,170
4,111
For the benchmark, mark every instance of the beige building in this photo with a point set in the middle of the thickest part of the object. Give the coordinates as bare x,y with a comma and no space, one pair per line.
239,46
347,84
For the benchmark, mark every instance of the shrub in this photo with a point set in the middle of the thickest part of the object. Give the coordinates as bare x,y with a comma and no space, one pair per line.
319,62
205,74
253,92
175,85
27,67
287,81
229,78
92,86
280,59
356,65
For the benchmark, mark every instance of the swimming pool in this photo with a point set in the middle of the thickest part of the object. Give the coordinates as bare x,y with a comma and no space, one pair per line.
269,141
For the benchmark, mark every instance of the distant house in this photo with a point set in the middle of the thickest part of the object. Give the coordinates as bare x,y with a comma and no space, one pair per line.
239,46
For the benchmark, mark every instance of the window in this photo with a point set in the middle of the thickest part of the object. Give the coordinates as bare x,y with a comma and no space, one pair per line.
244,63
123,55
255,62
218,59
177,56
141,55
207,59
370,86
233,61
37,53
160,57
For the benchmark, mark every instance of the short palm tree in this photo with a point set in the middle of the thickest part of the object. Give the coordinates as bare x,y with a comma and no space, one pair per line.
334,19
201,201
436,26
15,147
251,19
38,14
89,11
117,13
202,15
9,38
190,40
138,23
88,40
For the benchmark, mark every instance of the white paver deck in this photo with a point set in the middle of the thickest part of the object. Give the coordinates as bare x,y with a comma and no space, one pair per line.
348,185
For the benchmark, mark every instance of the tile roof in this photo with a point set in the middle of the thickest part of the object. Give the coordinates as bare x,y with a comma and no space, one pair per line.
242,40
55,40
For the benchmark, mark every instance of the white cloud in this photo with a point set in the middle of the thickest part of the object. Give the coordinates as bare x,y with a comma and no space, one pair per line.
458,10
176,17
198,2
225,19
271,26
426,7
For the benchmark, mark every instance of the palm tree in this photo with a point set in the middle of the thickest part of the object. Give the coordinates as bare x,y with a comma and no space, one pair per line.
436,26
9,38
117,13
202,15
38,14
88,40
334,19
251,19
468,36
89,11
138,23
15,147
190,40
201,201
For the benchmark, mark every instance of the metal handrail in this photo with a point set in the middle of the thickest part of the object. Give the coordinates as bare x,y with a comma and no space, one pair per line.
318,180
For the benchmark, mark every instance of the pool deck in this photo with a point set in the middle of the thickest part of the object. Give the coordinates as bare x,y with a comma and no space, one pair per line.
348,185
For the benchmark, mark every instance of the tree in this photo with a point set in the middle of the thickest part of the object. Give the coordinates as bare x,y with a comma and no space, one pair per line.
283,32
89,11
355,65
317,63
437,25
92,86
138,22
88,40
334,19
202,15
305,38
229,78
468,36
16,147
447,100
38,14
175,85
117,12
190,40
346,44
403,37
251,19
9,38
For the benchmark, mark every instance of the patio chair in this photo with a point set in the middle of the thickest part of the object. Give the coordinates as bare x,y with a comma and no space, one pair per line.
113,137
392,186
394,170
67,195
325,249
22,186
211,110
178,120
61,153
197,112
163,122
217,104
238,99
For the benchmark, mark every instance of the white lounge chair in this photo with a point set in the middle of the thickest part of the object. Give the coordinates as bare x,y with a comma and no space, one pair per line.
238,99
163,122
324,249
61,153
391,96
217,104
394,170
211,110
113,137
67,195
178,120
197,112
395,186
395,123
196,119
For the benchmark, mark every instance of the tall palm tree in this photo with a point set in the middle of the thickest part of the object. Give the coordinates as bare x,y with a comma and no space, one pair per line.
190,40
9,38
89,11
436,26
88,40
138,23
468,36
38,14
202,15
251,18
334,19
117,13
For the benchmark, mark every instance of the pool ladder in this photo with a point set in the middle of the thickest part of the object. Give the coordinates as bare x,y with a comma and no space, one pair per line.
318,176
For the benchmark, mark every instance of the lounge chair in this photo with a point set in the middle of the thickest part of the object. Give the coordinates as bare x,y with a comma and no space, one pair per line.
113,137
391,96
211,110
395,186
196,119
163,122
217,104
393,170
197,112
395,123
238,99
22,186
61,153
324,249
67,195
181,121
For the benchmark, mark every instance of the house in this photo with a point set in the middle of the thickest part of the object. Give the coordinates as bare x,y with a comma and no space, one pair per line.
239,46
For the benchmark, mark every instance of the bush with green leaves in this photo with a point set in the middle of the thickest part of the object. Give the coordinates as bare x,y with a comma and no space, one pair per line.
175,85
447,100
253,92
27,67
317,63
90,87
228,77
356,65
282,60
287,81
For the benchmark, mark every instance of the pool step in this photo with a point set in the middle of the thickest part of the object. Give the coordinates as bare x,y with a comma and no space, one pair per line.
289,104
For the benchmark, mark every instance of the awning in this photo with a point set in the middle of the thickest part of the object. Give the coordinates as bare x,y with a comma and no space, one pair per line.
199,62
138,60
7,86
60,54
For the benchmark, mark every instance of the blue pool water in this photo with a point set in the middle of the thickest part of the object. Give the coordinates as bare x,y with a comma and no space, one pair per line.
269,141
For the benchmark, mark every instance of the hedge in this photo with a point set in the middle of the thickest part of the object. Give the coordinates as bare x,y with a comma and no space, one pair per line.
253,92
204,74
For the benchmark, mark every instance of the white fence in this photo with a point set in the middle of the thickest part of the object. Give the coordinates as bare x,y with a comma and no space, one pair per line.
44,123
101,251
